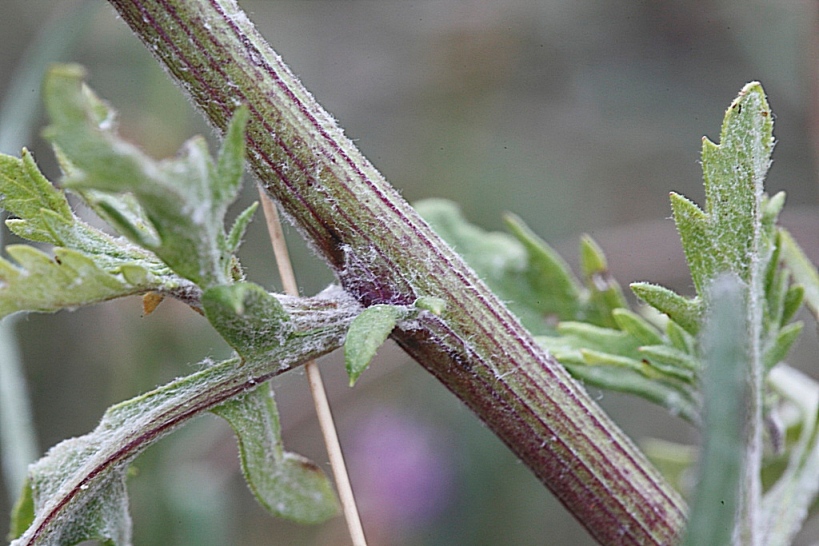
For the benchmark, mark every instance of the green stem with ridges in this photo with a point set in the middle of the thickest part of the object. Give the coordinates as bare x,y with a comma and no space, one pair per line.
384,253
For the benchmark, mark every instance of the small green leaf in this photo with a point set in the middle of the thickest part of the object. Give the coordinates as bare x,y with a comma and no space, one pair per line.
679,338
686,312
793,302
803,271
231,161
367,333
597,358
672,362
676,401
285,484
609,340
234,238
781,346
692,225
250,319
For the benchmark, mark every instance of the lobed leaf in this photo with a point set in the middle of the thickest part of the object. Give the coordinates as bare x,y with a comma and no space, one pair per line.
26,194
68,279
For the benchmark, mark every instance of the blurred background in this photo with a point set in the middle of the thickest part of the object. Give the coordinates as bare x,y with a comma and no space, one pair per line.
579,116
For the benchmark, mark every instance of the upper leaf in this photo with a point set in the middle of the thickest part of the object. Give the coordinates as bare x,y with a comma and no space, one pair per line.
723,237
183,200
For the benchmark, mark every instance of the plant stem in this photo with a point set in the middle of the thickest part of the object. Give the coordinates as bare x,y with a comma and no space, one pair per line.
322,404
383,252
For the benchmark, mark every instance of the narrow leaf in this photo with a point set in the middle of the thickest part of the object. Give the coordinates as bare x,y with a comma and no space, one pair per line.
781,345
686,312
803,271
637,326
234,238
793,302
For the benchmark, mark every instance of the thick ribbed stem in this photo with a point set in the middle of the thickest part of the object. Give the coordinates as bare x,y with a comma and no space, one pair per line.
383,252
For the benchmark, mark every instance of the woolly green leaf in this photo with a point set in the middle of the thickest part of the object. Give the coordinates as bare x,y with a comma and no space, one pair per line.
234,238
251,320
367,333
692,225
286,484
722,238
685,312
184,199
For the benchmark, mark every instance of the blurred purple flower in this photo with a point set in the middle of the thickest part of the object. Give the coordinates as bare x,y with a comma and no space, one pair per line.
402,472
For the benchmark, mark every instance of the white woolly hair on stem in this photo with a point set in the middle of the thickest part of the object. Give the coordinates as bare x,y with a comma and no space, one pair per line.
320,401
